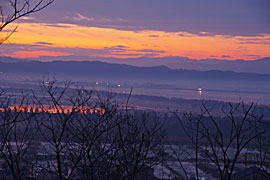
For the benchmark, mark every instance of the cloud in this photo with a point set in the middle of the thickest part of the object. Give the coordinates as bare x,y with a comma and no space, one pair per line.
9,30
226,56
81,17
27,18
255,42
36,54
121,48
58,25
43,43
154,36
185,34
118,50
206,34
230,17
129,54
257,38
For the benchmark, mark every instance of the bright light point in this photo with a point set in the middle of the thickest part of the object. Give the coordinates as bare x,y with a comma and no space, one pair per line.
97,83
200,91
118,85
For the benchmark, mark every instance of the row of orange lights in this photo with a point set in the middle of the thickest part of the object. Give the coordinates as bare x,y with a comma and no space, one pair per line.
63,109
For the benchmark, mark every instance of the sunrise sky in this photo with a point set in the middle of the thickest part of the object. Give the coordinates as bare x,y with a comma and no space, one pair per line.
196,29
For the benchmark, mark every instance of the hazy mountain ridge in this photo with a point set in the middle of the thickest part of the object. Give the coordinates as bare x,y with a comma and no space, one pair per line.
110,70
259,66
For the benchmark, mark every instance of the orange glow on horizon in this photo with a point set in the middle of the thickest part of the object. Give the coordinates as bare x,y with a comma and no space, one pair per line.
66,36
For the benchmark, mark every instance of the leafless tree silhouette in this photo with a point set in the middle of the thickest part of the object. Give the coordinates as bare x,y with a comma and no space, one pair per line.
218,144
17,9
66,132
16,135
97,138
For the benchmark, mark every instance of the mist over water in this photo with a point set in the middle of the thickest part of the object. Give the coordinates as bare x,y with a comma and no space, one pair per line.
229,91
151,81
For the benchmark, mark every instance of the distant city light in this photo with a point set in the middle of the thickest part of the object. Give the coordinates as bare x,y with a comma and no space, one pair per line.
97,83
118,85
200,91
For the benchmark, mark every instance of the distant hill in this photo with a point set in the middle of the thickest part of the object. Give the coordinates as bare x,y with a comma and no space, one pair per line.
10,60
109,70
260,66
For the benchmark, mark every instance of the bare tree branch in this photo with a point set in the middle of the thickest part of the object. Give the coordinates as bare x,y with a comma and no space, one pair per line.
19,9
